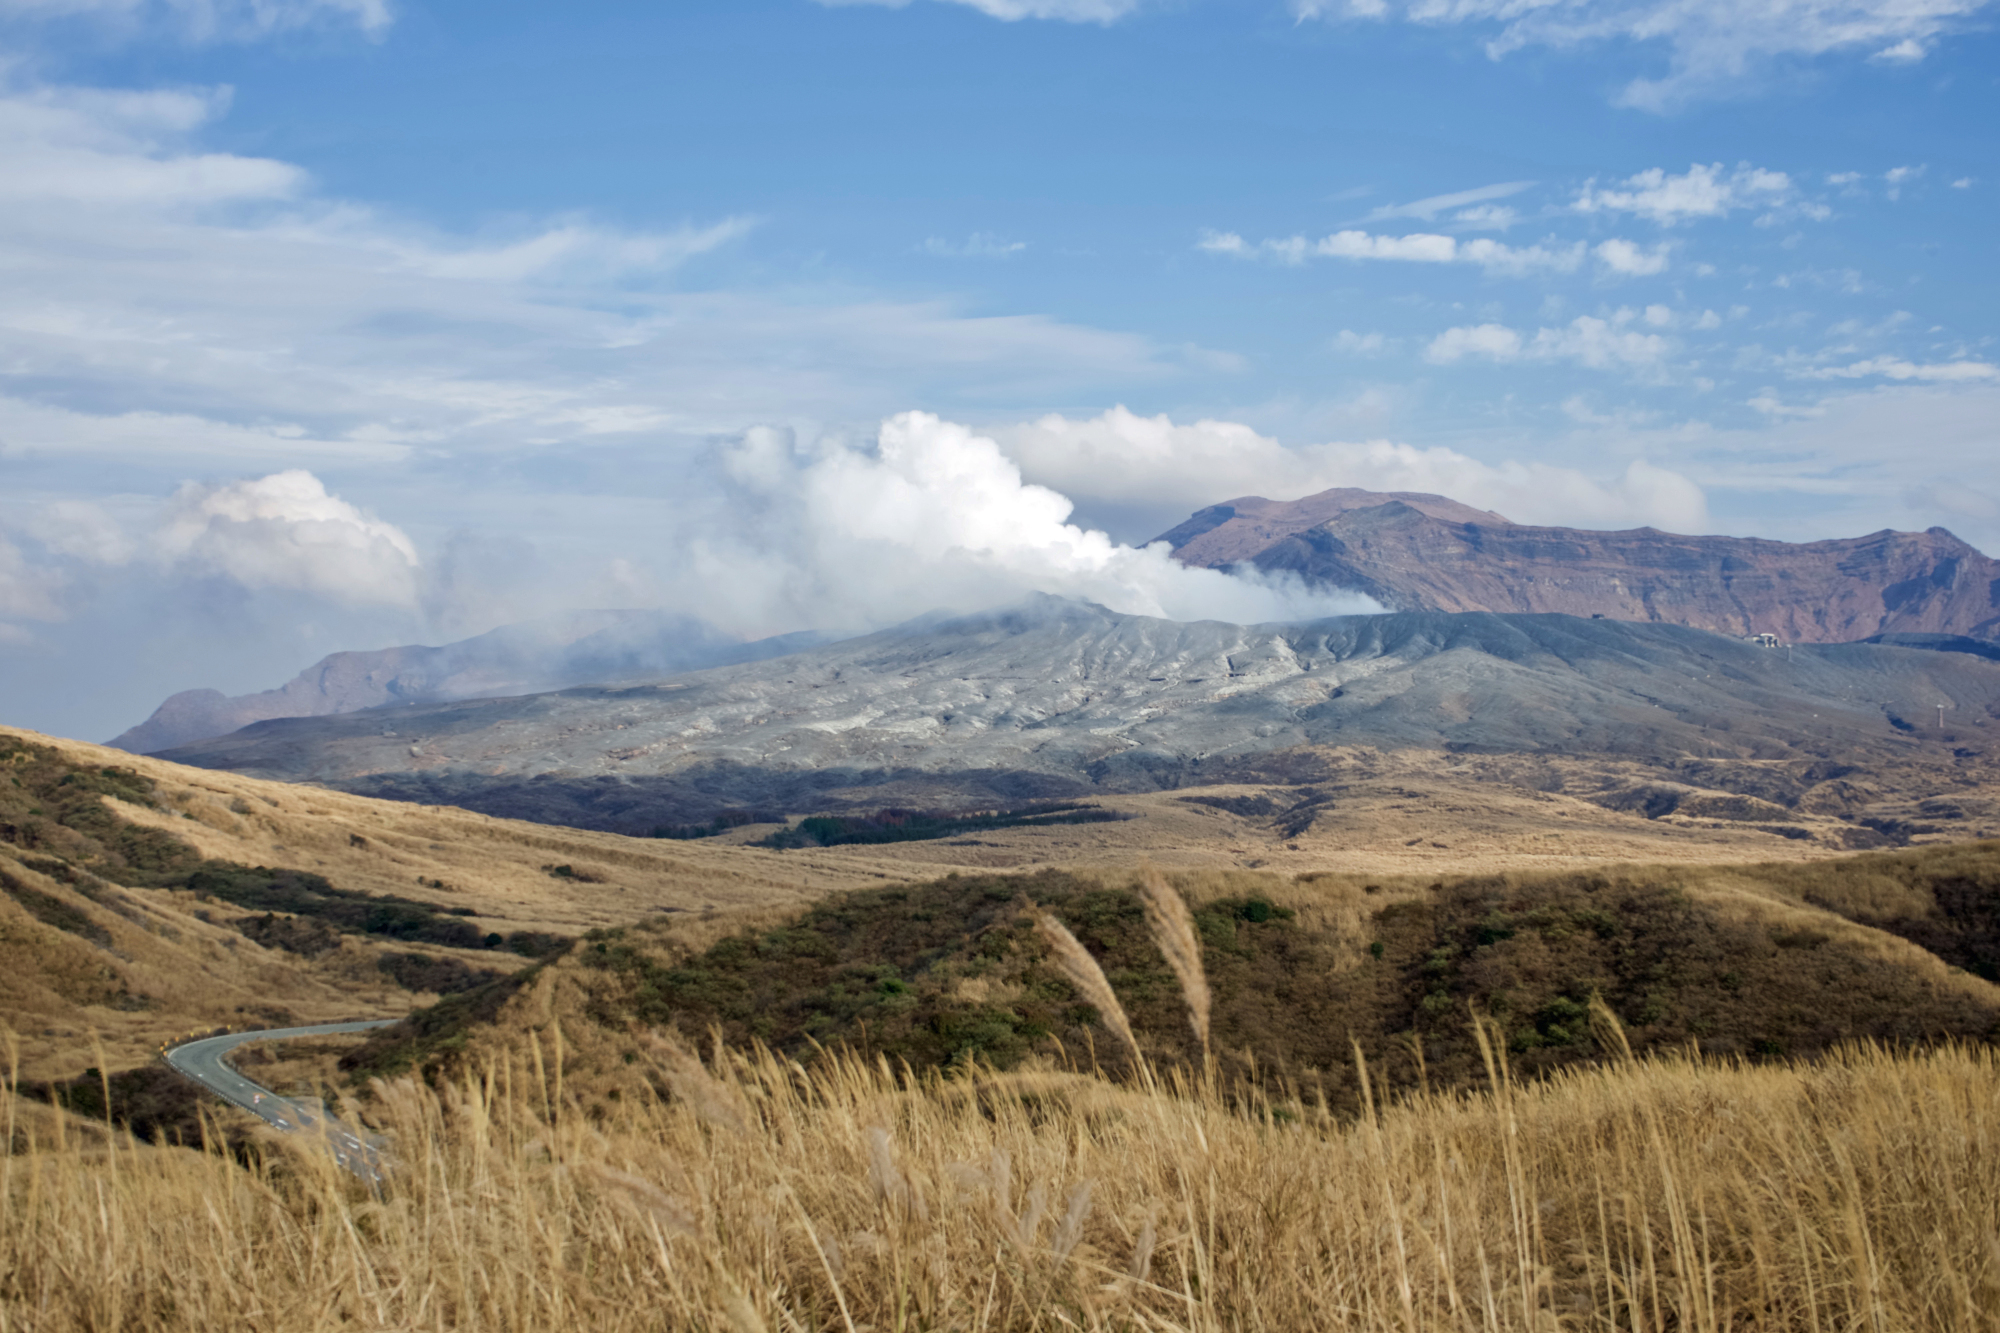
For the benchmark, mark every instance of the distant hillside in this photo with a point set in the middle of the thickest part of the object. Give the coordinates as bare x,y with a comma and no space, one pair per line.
1425,553
584,648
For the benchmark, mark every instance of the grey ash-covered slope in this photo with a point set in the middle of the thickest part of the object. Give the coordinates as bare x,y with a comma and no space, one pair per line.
584,647
1058,698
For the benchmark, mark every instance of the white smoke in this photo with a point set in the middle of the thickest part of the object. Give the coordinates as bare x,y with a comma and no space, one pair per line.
935,516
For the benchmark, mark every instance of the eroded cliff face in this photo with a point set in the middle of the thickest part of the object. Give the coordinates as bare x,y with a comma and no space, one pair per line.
1422,553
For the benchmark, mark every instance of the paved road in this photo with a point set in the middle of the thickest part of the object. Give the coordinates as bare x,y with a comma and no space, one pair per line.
203,1062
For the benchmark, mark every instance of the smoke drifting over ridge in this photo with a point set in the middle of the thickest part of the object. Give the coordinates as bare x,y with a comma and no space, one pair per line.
936,517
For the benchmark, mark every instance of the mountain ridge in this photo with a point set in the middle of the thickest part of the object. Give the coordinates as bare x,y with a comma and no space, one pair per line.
1430,557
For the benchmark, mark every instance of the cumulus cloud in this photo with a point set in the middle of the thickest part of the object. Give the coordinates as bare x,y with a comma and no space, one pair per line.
936,516
286,532
1121,455
1629,260
1597,343
1068,11
1712,45
1699,192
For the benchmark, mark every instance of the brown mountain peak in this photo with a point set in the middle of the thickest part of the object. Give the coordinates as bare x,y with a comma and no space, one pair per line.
1430,553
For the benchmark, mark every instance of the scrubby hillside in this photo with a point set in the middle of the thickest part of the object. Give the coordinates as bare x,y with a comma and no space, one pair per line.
1755,961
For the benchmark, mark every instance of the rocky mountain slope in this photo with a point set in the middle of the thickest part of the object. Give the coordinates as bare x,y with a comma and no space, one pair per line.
1426,553
586,647
1059,698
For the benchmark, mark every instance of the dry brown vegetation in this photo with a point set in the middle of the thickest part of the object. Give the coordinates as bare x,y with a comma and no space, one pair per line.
1862,1193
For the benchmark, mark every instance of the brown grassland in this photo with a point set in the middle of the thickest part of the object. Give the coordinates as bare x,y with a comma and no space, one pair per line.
1302,1071
1862,1192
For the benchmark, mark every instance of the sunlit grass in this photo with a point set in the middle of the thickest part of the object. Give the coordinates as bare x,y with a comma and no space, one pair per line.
1862,1192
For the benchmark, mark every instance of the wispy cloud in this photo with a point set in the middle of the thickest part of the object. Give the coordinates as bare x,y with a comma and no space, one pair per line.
1712,46
1428,209
1896,368
212,20
1416,248
1068,11
979,245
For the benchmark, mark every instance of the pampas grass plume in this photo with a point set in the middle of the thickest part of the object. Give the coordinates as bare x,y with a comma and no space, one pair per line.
1082,972
1172,926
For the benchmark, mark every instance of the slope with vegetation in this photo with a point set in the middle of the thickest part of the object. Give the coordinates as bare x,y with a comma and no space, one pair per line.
1754,961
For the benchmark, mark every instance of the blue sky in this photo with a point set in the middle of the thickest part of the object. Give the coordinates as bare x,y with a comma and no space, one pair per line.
336,323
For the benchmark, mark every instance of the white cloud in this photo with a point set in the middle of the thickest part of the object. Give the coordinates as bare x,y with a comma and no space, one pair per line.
572,251
215,310
1771,405
285,531
1906,52
1897,177
1416,248
1428,209
1489,340
1359,344
1699,192
1597,343
1631,260
1068,11
80,530
979,245
1133,459
1486,217
1895,368
936,516
1712,45
212,20
120,149
27,591
1962,183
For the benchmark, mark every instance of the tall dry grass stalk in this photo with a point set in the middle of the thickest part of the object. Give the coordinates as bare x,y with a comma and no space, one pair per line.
1172,927
1861,1193
1082,972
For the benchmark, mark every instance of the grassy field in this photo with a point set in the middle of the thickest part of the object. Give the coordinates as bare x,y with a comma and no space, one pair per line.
1862,1192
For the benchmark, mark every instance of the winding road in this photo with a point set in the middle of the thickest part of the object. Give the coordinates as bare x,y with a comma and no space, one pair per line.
204,1062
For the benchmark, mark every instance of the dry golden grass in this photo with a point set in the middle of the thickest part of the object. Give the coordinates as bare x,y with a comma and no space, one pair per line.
494,866
1861,1194
162,970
